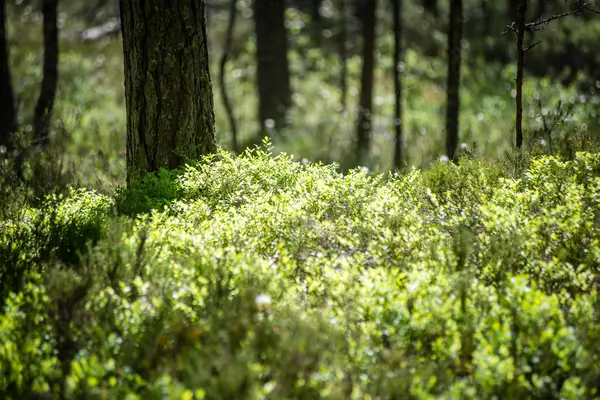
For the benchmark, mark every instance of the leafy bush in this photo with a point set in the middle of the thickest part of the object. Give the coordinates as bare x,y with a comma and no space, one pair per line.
60,229
259,277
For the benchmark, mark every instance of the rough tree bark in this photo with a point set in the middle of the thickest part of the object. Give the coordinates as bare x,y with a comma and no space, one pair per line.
45,103
365,107
168,90
8,113
222,64
273,76
398,58
455,28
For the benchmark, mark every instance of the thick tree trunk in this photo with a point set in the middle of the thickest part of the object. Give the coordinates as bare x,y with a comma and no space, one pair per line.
365,108
455,29
274,92
168,90
431,6
8,117
45,103
222,64
398,59
521,13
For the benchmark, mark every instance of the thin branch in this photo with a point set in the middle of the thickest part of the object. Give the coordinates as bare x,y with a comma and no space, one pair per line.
530,26
532,46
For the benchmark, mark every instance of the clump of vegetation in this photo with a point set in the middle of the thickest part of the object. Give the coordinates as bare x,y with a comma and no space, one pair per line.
258,276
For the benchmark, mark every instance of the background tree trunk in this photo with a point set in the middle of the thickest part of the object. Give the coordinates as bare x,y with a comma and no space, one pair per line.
511,10
431,6
521,13
8,117
541,8
45,103
274,92
365,109
398,59
455,29
343,43
222,64
168,90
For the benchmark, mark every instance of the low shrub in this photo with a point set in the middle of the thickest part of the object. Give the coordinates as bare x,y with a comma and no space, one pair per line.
259,277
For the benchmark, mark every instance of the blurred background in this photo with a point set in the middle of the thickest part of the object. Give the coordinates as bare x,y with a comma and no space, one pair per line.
324,52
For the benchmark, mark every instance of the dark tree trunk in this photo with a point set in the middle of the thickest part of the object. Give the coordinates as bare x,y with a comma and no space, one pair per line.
541,8
8,117
455,29
45,103
344,55
315,16
168,90
521,13
273,75
222,64
486,17
315,11
511,9
398,59
431,6
365,108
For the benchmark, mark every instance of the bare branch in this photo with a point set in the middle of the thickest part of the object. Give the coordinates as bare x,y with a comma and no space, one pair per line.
532,46
511,27
531,26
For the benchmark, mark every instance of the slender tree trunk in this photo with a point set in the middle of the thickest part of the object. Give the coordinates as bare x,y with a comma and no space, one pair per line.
431,6
8,113
168,90
45,103
273,75
521,13
315,10
541,8
222,64
511,9
344,55
453,83
365,108
315,16
487,17
398,59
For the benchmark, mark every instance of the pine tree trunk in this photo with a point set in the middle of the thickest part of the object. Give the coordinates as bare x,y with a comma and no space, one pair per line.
8,117
168,90
222,64
431,6
343,43
511,10
521,13
398,58
274,92
365,108
45,103
453,79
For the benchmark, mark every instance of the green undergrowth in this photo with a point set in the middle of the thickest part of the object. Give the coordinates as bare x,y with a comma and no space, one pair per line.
260,277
